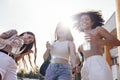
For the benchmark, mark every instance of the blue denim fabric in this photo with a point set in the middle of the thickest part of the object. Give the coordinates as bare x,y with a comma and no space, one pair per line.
58,71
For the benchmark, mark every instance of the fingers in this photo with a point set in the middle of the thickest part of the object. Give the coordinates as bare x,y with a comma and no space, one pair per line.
15,43
88,36
76,69
48,45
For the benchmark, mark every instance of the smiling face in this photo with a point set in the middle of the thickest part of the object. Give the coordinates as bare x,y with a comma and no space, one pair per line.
85,22
28,38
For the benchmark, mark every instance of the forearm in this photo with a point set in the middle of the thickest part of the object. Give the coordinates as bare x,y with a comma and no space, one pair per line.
73,56
113,42
20,56
46,54
74,60
3,41
8,34
17,58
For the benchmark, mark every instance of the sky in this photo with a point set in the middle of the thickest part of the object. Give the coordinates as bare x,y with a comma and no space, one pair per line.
42,16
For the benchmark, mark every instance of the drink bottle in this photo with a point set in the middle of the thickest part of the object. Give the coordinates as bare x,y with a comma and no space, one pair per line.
16,50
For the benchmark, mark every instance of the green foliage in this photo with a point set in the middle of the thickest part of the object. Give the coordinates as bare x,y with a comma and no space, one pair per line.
32,74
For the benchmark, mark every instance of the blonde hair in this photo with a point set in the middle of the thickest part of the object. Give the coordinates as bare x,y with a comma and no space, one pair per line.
67,31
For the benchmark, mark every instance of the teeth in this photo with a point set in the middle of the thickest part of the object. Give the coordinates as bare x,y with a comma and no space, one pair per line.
84,24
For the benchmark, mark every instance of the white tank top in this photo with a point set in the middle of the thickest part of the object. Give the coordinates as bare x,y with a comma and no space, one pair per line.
60,50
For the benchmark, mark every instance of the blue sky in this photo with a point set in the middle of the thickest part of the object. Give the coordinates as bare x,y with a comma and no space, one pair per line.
41,16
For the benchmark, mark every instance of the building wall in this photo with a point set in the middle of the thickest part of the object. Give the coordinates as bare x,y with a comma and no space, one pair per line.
111,23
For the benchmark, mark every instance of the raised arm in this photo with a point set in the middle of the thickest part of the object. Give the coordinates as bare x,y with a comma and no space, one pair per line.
8,34
109,39
47,52
5,35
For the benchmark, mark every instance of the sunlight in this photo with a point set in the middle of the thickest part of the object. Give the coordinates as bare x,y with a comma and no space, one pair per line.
28,15
68,22
78,36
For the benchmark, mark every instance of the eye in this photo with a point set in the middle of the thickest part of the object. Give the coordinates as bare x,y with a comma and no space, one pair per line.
31,39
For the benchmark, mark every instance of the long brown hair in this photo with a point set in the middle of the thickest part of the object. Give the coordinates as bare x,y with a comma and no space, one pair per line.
27,49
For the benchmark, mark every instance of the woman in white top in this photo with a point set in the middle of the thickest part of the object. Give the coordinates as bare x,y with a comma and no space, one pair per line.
95,66
61,50
13,47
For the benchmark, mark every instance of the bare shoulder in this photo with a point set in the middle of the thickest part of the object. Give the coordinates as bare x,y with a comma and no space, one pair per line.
100,29
103,32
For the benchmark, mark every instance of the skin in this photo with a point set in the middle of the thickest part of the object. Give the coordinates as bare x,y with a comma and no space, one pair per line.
27,38
61,33
95,37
